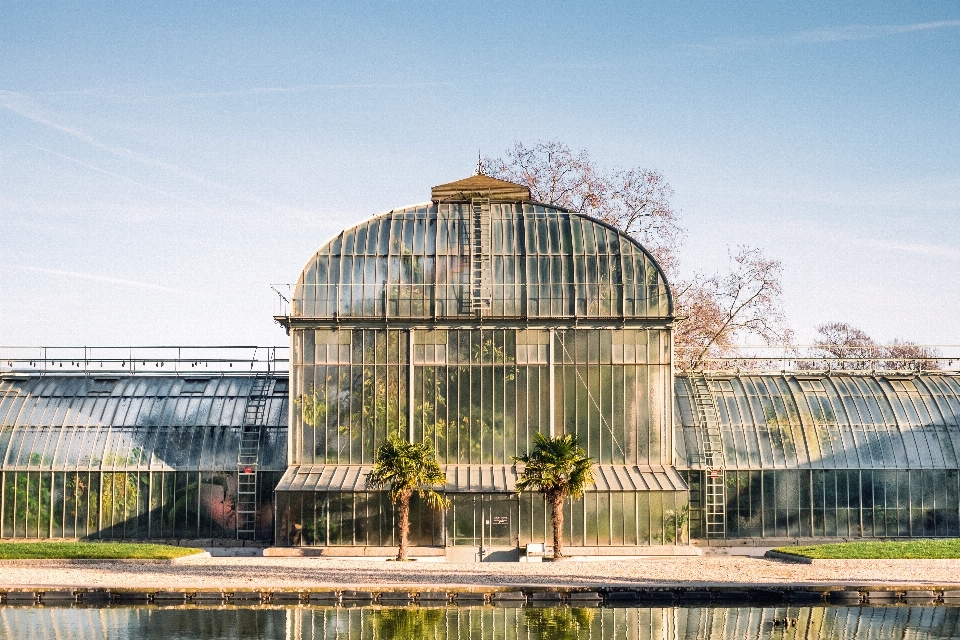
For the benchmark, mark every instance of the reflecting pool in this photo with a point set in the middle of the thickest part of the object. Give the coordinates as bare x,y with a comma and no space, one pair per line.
480,623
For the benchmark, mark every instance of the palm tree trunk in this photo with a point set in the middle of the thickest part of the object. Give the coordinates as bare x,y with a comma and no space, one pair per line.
403,525
556,518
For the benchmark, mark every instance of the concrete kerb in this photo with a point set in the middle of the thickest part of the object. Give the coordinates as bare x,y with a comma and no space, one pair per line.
529,596
826,562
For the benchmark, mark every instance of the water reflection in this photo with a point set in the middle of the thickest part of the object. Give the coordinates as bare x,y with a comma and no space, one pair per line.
480,623
406,624
558,623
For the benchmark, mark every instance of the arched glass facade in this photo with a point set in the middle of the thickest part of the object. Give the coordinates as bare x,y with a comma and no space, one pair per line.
538,262
476,323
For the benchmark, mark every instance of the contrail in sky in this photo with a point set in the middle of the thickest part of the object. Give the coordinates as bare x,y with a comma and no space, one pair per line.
22,105
99,278
118,176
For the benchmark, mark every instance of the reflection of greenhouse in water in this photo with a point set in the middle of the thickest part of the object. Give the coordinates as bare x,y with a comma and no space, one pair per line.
475,321
487,623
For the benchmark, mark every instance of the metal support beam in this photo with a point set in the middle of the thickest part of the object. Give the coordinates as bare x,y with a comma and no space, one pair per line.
552,361
410,379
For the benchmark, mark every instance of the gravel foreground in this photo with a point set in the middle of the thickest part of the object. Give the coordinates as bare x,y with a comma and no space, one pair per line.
317,573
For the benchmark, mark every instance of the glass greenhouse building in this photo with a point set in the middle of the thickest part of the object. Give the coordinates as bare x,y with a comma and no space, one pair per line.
475,320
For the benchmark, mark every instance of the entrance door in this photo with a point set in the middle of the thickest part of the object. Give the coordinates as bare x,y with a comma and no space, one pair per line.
500,515
487,520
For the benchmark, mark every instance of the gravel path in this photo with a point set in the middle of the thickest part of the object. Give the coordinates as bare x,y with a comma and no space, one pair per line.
317,573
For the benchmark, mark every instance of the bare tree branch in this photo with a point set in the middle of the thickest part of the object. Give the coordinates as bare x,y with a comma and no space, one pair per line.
635,200
844,346
717,311
722,310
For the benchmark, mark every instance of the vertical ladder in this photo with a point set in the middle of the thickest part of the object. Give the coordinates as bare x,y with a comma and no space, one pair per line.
248,459
711,446
480,259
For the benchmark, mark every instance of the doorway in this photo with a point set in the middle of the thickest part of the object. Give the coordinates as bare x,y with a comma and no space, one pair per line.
489,522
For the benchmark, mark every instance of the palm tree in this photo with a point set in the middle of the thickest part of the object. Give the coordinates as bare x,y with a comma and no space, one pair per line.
558,467
404,467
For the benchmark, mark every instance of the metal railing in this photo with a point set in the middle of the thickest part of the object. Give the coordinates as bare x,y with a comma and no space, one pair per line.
196,360
896,358
564,299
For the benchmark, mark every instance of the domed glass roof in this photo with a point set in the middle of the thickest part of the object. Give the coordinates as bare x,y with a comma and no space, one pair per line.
478,257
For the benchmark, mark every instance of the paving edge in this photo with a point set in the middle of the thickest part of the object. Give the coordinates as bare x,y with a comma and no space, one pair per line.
53,562
790,557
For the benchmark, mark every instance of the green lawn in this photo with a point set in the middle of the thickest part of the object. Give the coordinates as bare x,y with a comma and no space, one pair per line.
908,550
91,550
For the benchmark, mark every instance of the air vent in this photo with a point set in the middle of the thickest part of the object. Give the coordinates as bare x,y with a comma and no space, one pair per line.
194,386
101,386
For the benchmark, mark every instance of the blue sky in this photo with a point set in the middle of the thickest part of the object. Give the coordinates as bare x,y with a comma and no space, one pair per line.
161,164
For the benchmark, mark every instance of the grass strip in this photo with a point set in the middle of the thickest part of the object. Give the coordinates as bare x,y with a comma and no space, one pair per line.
906,550
91,551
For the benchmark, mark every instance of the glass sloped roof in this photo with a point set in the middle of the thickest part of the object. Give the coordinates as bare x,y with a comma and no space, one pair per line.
832,422
133,422
415,262
491,478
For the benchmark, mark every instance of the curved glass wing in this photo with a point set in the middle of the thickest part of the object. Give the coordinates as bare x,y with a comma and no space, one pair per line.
155,423
831,422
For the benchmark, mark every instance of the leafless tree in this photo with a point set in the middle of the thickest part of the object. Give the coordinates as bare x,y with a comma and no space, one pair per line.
904,355
716,312
846,346
843,346
634,200
722,310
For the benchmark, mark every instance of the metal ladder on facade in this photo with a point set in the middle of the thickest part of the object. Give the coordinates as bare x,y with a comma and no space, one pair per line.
480,259
711,444
248,459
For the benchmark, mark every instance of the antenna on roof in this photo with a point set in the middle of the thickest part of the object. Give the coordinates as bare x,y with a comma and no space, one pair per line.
480,170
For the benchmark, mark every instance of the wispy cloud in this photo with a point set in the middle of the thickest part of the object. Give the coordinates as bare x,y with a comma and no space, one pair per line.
135,96
929,193
831,34
261,91
100,278
922,249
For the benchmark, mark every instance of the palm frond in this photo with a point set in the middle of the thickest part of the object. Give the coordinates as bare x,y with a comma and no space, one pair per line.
403,467
555,464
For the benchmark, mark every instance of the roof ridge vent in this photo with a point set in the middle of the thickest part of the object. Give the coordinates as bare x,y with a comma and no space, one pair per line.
480,185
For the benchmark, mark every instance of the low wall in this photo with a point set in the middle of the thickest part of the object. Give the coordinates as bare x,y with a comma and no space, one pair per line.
509,554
